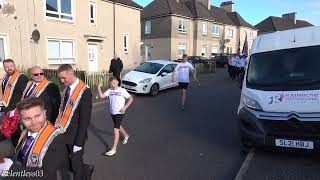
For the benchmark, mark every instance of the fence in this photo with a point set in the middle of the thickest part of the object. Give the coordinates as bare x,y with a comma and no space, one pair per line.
205,67
90,78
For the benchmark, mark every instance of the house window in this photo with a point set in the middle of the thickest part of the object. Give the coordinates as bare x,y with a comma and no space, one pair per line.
182,49
215,30
92,11
230,33
182,25
214,50
60,9
2,2
61,51
229,50
251,35
126,43
204,51
148,27
3,48
204,28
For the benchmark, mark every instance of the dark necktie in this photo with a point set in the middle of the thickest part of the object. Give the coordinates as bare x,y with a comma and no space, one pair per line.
66,97
23,153
31,90
5,81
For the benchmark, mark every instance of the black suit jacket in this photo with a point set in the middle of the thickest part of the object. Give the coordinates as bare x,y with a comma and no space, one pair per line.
51,98
56,158
17,92
76,133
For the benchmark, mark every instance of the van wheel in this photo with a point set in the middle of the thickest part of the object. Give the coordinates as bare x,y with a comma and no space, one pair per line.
154,89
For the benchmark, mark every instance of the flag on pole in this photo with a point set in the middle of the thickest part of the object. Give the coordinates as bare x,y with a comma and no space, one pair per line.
245,47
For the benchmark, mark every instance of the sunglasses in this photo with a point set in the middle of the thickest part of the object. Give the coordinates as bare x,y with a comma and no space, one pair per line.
38,74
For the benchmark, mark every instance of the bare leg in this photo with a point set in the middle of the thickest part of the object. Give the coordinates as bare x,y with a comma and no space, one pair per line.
116,138
123,132
184,96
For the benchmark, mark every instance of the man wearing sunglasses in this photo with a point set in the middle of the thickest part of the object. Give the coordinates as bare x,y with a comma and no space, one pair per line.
47,91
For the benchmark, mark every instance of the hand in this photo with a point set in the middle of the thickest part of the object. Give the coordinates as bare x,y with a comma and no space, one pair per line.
123,110
76,148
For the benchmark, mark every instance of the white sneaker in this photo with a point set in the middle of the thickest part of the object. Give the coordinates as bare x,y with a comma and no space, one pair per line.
125,140
111,152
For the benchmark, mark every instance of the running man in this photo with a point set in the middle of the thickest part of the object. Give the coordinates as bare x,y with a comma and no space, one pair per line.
183,71
118,106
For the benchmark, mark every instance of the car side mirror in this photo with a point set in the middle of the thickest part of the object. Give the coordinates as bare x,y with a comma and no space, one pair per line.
164,74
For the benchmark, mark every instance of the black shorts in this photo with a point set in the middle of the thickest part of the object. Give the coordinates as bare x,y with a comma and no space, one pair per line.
117,120
183,85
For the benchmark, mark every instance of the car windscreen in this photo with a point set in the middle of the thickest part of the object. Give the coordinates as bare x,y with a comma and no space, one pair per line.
147,67
289,69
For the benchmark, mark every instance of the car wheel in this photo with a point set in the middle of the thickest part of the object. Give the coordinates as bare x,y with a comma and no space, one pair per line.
154,89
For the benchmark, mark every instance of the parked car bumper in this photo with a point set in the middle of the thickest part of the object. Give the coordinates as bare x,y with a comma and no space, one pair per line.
264,132
137,88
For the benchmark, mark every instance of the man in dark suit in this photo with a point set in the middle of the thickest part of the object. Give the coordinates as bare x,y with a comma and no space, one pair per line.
46,90
116,67
12,89
74,119
41,150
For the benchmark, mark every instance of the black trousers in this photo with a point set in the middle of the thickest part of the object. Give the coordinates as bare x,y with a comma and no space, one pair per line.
76,162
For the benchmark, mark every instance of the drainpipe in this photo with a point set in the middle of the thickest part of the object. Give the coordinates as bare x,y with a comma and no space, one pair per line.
114,28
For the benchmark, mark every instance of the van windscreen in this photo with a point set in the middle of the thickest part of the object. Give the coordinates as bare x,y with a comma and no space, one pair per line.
286,70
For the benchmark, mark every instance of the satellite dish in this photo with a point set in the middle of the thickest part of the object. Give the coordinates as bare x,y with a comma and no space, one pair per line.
227,40
35,35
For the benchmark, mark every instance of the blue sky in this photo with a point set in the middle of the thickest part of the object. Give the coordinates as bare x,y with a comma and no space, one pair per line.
258,10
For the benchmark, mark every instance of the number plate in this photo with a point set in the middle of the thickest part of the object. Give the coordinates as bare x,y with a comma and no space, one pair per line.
126,86
294,143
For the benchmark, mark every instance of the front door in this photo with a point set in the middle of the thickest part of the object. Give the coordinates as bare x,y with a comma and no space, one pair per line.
93,57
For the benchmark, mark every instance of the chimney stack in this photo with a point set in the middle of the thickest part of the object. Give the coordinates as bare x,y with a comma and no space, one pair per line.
229,6
290,16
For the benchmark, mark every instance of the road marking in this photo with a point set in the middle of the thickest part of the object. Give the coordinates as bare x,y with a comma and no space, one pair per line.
245,165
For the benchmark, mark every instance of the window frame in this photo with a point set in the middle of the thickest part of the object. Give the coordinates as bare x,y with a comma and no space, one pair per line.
59,13
229,50
184,45
212,47
147,28
206,50
94,18
205,28
183,24
215,27
5,46
61,58
230,33
126,43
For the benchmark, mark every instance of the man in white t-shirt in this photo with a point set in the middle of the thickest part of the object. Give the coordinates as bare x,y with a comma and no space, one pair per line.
118,106
183,70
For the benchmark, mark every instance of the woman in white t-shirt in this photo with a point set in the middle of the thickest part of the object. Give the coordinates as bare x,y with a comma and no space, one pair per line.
118,106
183,70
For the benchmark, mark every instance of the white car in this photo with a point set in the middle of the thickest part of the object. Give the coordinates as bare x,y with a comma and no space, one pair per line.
150,77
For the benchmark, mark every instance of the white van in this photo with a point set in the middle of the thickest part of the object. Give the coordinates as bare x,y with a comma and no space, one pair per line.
280,98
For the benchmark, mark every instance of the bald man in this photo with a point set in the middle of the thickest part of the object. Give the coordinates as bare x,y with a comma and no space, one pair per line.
48,92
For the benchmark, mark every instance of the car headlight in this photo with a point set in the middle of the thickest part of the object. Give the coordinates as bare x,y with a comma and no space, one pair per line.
145,81
250,103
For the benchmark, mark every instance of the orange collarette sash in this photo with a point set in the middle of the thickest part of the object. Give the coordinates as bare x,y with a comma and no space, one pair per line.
8,91
40,144
39,89
66,114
